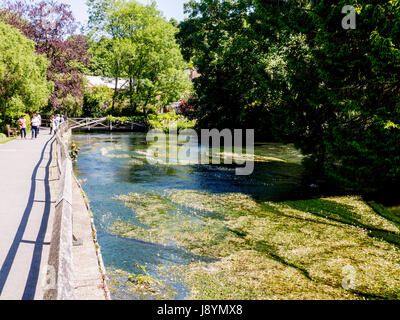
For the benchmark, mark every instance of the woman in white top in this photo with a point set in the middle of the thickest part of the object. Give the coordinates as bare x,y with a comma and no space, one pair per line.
35,123
52,125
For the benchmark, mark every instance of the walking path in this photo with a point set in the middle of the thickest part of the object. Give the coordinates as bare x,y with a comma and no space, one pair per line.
26,211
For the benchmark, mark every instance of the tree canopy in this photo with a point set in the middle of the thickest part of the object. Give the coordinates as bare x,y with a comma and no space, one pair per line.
291,71
52,27
137,43
23,75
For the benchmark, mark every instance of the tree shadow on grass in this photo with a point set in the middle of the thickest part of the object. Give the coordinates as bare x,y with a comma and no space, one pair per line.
264,248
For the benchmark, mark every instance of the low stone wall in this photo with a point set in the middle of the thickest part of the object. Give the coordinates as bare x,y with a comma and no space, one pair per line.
60,274
91,282
60,257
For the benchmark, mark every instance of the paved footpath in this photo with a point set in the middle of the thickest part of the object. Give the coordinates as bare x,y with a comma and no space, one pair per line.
26,211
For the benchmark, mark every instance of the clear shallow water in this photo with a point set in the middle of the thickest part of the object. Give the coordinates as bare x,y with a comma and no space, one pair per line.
111,165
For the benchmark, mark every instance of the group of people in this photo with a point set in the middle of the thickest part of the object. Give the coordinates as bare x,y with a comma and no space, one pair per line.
55,121
36,122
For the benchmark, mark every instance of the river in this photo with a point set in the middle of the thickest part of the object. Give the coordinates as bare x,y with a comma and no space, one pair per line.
139,208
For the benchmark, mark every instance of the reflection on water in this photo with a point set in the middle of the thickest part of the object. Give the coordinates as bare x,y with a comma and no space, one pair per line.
112,166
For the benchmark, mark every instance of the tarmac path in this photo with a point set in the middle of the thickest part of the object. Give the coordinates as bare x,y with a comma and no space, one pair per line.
26,211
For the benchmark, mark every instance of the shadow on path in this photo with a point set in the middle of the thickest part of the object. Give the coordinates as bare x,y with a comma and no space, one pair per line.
30,288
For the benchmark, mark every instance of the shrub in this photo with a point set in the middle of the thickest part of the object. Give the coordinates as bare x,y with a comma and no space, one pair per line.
91,106
164,120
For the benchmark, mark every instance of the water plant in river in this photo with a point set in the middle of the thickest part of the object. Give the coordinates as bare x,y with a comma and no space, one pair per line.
140,285
266,250
74,151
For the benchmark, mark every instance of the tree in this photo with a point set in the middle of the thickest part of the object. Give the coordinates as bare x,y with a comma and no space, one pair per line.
359,74
218,38
51,26
143,48
102,54
342,97
23,82
332,91
97,101
107,62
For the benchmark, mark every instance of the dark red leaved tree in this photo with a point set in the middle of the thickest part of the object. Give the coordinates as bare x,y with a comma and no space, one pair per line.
51,25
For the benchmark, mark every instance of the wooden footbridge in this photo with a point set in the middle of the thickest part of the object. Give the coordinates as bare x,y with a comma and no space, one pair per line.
102,124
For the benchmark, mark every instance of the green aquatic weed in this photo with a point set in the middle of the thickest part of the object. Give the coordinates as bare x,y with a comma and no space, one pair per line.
267,250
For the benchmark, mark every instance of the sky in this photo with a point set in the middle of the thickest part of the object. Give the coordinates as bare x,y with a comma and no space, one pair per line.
170,8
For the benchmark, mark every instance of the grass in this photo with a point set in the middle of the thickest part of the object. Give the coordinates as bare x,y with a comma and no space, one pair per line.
5,140
289,250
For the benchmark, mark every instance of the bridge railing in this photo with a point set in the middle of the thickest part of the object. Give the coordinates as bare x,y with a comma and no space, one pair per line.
60,257
105,123
76,123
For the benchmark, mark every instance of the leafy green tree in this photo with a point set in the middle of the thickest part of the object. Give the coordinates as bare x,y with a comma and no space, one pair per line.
97,102
52,27
23,75
359,75
342,97
220,41
101,57
107,61
290,69
143,49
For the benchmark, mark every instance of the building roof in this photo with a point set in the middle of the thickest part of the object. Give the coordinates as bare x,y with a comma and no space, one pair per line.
96,81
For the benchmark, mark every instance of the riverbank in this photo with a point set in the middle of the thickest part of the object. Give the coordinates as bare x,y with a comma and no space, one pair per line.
80,274
90,280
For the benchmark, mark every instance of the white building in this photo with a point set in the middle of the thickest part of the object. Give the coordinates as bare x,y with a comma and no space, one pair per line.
95,81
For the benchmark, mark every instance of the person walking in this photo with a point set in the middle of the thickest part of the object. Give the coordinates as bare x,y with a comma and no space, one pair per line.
52,125
56,121
22,126
35,122
40,122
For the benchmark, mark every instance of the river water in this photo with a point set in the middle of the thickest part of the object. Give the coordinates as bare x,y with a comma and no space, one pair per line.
127,192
